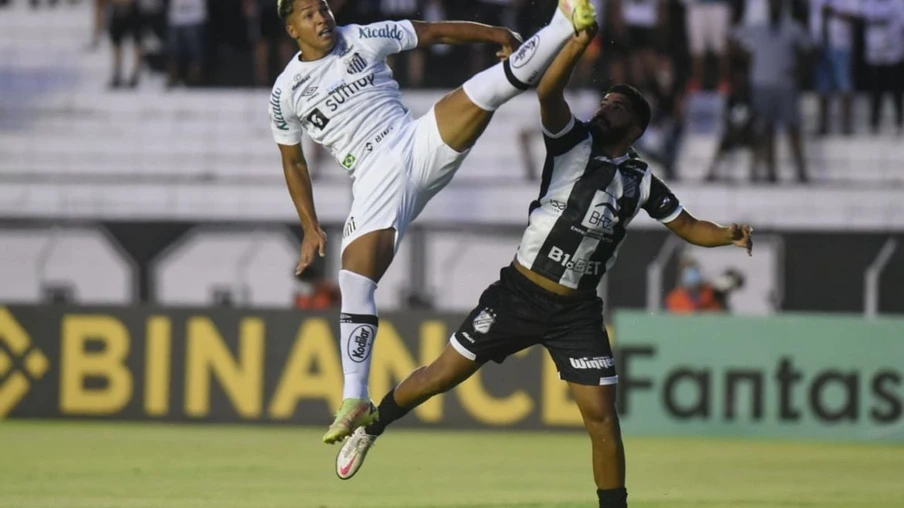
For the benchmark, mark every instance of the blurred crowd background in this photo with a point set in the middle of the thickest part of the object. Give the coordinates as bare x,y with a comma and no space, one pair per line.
758,54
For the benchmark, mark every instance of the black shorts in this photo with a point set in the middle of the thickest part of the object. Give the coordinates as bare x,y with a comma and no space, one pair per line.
514,314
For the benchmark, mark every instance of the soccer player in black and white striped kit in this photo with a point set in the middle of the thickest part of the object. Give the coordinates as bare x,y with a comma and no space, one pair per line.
591,189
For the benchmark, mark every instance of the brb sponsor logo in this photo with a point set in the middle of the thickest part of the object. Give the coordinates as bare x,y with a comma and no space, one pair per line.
526,52
578,265
384,32
369,147
602,216
276,114
359,343
21,364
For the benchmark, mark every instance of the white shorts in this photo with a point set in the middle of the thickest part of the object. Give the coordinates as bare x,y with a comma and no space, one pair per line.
707,26
397,181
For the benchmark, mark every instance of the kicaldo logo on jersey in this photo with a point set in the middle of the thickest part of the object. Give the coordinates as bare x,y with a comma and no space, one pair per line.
21,364
272,367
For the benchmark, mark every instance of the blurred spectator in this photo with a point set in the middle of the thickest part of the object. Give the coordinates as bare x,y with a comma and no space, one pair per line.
662,139
125,21
778,50
638,37
707,27
831,27
693,293
884,48
737,121
725,284
267,32
185,38
313,291
100,22
412,62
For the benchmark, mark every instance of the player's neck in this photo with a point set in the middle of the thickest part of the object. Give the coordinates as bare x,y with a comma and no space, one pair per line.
311,54
614,150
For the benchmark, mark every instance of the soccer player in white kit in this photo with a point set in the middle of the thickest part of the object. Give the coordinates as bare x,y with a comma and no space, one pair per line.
339,90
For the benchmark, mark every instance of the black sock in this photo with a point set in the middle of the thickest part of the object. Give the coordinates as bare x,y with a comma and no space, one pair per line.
613,498
389,412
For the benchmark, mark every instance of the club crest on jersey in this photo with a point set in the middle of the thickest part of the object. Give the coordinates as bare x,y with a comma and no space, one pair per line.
355,64
602,216
484,321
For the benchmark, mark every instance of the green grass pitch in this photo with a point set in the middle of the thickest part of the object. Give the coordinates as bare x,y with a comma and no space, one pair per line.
129,465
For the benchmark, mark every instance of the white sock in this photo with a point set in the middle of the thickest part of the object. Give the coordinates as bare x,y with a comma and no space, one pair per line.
498,84
357,330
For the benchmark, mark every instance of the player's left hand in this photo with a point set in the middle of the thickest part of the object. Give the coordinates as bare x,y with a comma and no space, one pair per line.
742,236
510,41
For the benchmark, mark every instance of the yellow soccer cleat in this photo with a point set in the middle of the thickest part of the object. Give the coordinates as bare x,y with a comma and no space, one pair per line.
354,413
581,13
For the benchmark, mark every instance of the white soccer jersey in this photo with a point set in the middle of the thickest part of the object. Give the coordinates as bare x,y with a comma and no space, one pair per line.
347,101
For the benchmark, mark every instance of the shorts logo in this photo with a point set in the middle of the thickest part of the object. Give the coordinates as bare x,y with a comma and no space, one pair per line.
355,64
526,52
484,321
598,362
349,228
359,343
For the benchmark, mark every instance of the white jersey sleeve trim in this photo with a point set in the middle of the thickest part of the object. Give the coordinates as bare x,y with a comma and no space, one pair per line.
412,41
565,130
672,216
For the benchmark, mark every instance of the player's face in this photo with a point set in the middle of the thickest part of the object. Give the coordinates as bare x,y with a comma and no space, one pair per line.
312,24
614,120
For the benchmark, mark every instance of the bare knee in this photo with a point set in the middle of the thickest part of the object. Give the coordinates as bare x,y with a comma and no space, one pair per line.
602,425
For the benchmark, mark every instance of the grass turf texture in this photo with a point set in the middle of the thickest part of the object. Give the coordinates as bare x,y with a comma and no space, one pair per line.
128,465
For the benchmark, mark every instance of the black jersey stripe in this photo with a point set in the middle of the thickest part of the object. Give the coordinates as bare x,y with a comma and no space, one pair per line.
566,235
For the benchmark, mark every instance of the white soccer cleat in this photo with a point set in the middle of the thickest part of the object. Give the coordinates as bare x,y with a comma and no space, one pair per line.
582,13
351,455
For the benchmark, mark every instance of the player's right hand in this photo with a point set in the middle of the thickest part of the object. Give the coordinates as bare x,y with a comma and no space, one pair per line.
585,37
314,243
510,41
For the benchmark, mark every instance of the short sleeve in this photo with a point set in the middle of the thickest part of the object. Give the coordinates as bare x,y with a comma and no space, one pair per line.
284,122
661,204
569,137
386,37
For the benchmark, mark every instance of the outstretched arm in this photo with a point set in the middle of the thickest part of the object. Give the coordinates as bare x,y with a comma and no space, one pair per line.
298,179
465,32
554,111
709,234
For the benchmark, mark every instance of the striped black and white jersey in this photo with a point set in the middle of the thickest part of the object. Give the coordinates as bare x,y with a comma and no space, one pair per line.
585,204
